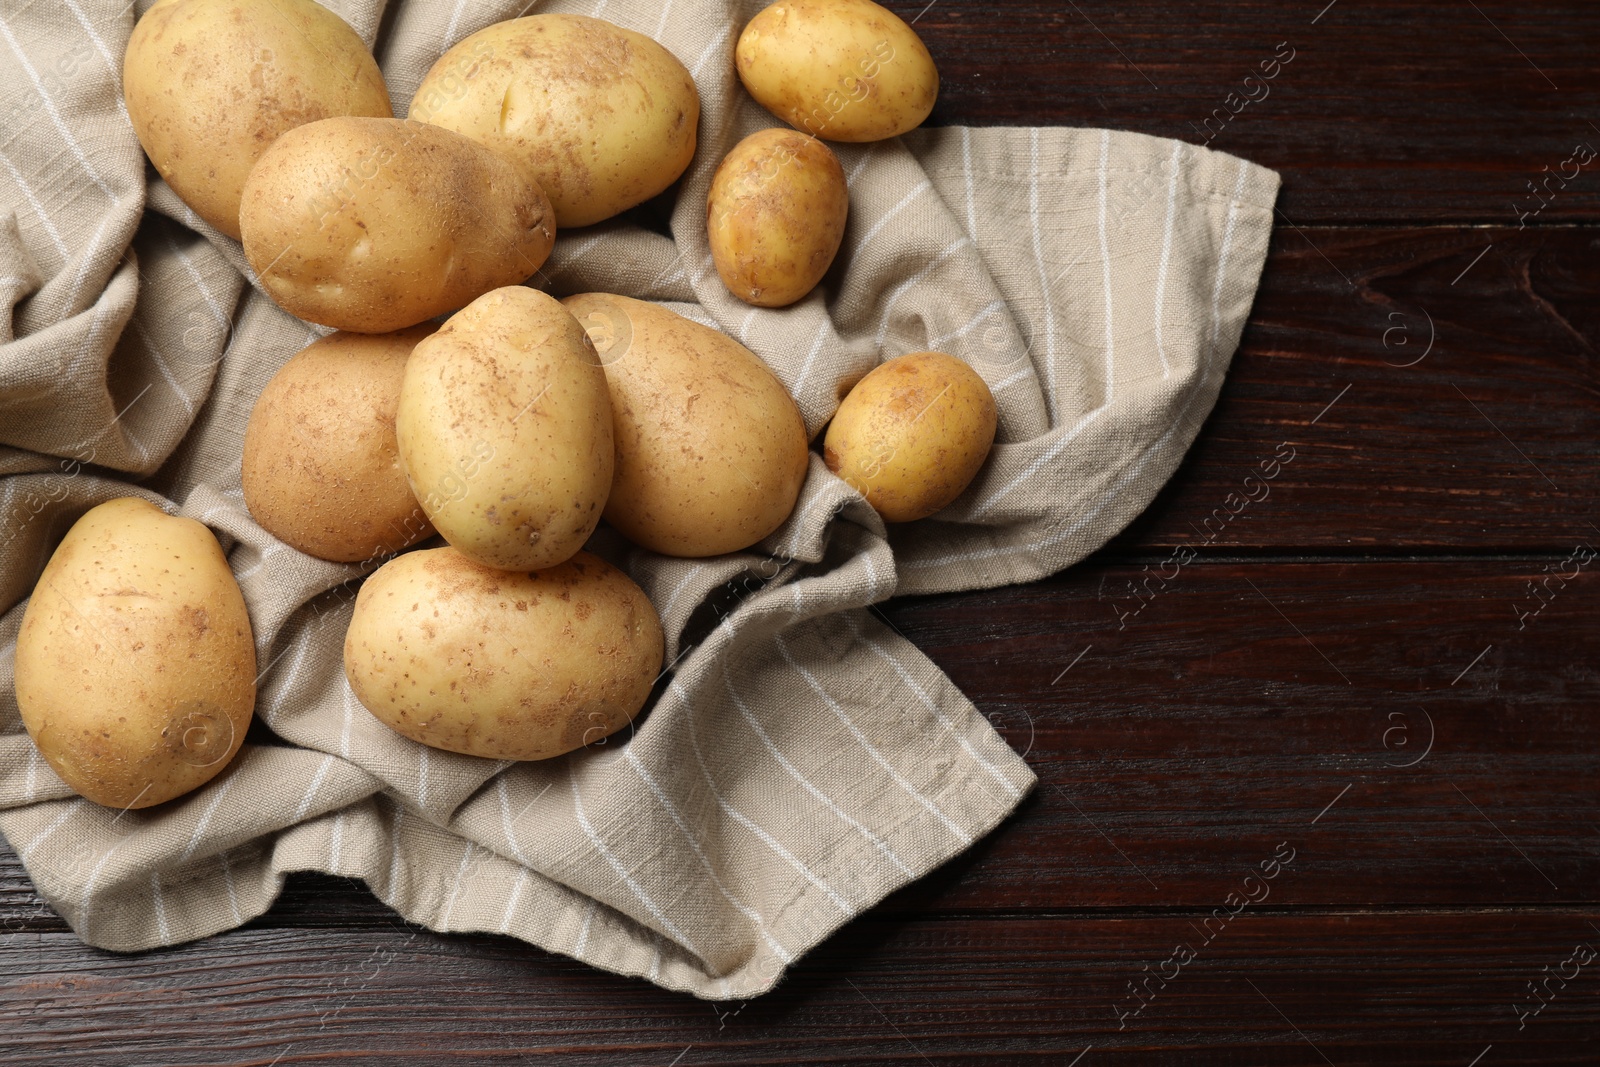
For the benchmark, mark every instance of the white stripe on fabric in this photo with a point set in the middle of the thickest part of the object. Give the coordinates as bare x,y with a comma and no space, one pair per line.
55,113
455,888
158,900
623,872
861,739
67,812
511,903
661,27
38,208
816,347
1166,258
85,911
877,227
200,283
1105,259
1050,399
393,888
743,820
966,169
1055,449
583,931
166,375
688,835
100,46
944,720
921,275
855,171
199,831
449,38
705,57
982,313
805,783
89,255
233,893
311,790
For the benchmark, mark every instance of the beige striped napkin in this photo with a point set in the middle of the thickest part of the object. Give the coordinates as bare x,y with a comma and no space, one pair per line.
800,759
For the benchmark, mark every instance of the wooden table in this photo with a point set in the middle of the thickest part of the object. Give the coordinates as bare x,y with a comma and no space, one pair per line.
1385,669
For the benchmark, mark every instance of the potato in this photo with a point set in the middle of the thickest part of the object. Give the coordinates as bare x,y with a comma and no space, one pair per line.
210,86
505,431
711,450
373,225
603,117
912,434
846,70
775,216
135,666
502,665
321,467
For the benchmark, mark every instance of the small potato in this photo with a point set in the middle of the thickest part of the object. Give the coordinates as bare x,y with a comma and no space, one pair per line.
505,431
500,665
135,665
604,118
321,467
711,450
912,434
776,216
373,225
210,86
846,70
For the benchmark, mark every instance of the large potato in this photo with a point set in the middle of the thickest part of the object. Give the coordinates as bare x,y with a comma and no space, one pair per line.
373,225
775,216
321,467
135,665
505,430
711,450
912,434
210,86
846,70
506,666
603,117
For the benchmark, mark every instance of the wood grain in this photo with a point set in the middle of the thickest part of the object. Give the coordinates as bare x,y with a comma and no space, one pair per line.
1405,111
1266,988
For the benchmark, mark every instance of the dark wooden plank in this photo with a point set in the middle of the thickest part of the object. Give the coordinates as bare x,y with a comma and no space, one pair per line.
1395,112
1267,988
1487,442
1186,744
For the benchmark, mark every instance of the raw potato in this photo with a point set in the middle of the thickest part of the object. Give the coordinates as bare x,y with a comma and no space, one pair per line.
604,118
210,86
373,225
775,216
505,431
500,665
845,70
912,434
321,467
135,665
711,450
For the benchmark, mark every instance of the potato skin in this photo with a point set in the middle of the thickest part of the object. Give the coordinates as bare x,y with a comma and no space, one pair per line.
321,467
373,225
135,665
505,431
775,216
711,449
912,434
210,86
604,118
844,70
502,665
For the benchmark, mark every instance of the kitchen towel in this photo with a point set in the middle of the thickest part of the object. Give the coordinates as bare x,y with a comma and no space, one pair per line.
799,759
